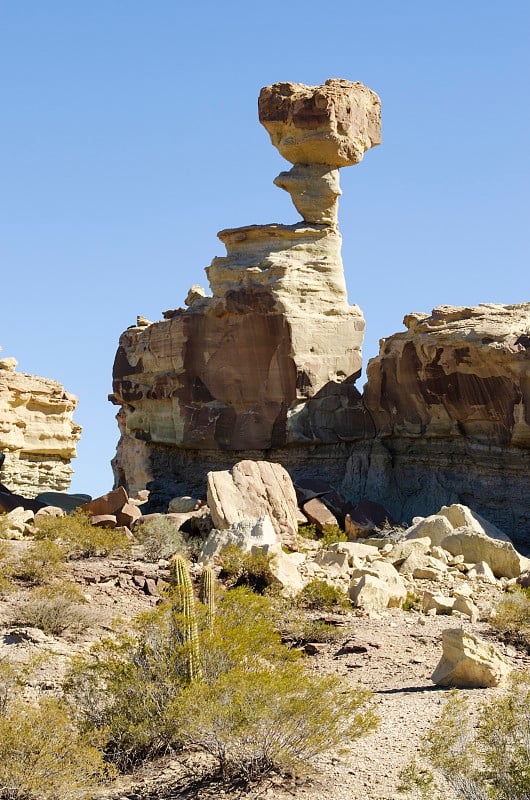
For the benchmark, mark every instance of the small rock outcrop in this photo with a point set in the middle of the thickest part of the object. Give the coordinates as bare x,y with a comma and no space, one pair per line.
38,435
268,360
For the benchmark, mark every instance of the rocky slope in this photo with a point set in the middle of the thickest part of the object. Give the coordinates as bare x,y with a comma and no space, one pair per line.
38,435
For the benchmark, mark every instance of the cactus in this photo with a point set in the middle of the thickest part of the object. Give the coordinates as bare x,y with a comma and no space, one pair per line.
184,605
207,594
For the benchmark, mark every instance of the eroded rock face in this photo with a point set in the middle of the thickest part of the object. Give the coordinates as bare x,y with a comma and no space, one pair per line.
450,403
37,433
269,359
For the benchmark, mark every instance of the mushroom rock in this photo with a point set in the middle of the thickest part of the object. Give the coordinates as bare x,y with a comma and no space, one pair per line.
38,436
268,361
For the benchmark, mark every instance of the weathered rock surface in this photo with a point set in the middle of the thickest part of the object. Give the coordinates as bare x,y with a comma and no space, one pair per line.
468,662
254,489
450,402
37,433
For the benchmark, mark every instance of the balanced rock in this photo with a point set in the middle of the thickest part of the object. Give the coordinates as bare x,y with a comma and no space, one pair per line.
268,361
468,662
254,488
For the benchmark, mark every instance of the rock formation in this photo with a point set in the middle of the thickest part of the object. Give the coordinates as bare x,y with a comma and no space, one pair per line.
265,367
449,399
37,433
269,360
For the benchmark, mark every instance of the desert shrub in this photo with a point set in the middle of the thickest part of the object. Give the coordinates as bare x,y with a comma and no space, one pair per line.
42,561
297,630
308,530
256,720
43,757
321,596
249,708
246,569
478,755
5,567
333,534
81,539
511,617
54,609
412,602
160,539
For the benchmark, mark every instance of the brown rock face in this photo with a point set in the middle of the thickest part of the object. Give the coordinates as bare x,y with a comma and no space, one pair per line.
37,433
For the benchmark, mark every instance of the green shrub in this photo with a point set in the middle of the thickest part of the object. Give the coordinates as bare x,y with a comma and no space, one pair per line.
249,709
42,561
412,602
54,609
333,534
256,720
511,617
246,569
42,756
81,539
160,539
478,755
321,596
308,530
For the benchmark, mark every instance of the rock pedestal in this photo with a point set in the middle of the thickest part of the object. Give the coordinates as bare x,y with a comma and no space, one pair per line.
268,360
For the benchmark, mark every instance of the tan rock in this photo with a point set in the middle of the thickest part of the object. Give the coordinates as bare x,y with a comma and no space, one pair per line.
404,549
370,593
437,602
482,572
314,190
436,527
389,576
254,488
501,556
331,124
468,662
245,533
183,505
37,433
103,520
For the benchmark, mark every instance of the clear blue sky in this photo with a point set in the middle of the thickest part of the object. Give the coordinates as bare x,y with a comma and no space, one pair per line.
129,137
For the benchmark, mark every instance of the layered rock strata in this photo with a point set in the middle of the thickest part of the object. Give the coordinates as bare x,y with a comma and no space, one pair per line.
268,361
37,433
449,399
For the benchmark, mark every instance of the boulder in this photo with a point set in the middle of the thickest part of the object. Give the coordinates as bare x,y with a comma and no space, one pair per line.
18,523
370,593
254,489
476,546
403,550
468,662
481,572
333,562
182,505
388,575
68,502
365,518
437,603
357,552
436,527
246,534
320,515
103,520
109,503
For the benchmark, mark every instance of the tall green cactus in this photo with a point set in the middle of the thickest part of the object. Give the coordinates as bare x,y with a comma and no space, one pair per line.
184,605
207,594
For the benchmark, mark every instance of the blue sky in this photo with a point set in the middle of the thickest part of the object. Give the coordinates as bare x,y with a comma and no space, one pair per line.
129,137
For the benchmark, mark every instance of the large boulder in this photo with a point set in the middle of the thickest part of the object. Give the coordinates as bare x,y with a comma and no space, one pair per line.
254,489
384,574
245,534
468,662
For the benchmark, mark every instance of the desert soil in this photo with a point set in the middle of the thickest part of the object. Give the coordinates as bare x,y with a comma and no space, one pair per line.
393,653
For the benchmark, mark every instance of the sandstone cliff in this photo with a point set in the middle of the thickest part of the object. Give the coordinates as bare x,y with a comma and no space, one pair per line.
37,433
449,399
269,359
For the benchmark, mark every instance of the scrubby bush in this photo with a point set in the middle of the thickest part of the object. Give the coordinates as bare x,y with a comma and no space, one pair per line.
333,534
43,757
308,530
160,538
256,720
239,568
42,561
511,617
54,609
81,539
248,708
482,755
322,596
